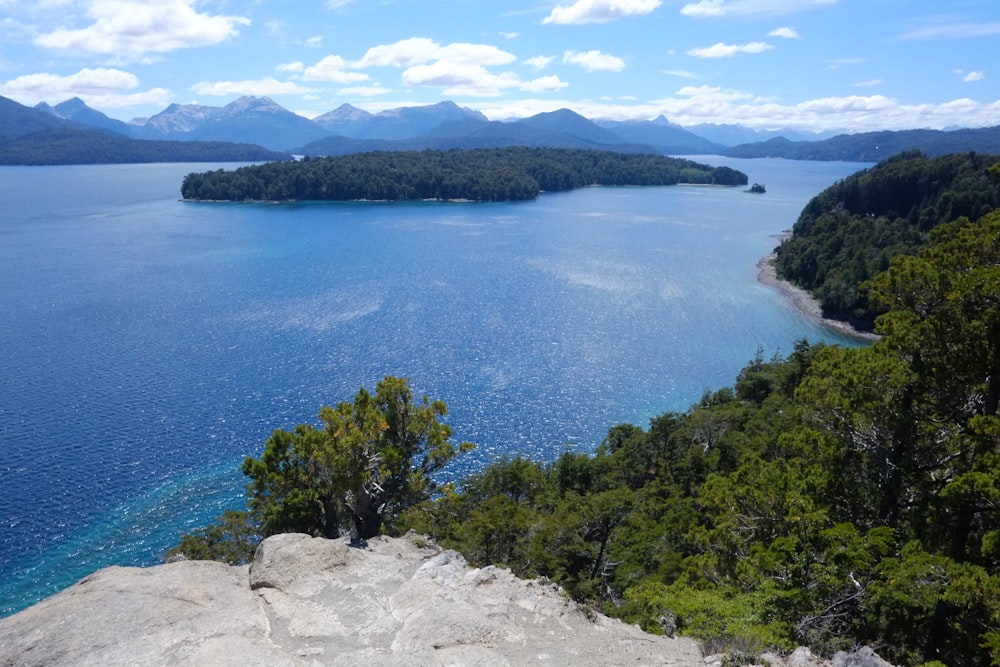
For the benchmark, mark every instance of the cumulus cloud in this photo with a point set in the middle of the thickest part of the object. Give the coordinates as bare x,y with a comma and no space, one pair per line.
333,69
130,29
599,11
420,50
594,61
259,87
721,50
103,88
709,8
459,79
973,76
295,67
459,68
784,32
692,105
539,62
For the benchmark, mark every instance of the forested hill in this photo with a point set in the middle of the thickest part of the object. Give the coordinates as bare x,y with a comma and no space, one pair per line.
852,230
875,146
74,146
505,174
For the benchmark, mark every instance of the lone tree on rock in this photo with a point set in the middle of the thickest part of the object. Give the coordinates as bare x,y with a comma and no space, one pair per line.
371,459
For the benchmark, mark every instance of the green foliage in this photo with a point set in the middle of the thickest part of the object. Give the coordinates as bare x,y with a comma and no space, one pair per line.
503,174
231,539
372,459
852,230
835,497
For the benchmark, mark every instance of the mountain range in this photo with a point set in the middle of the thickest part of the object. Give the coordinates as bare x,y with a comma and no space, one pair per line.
260,122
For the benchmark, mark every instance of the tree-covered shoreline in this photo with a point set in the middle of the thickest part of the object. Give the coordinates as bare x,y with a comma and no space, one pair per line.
480,175
856,227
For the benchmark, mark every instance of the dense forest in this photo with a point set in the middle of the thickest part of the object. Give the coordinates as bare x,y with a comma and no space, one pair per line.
503,174
853,229
832,497
72,146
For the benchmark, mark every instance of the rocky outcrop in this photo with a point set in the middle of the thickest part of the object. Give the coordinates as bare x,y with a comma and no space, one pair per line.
309,601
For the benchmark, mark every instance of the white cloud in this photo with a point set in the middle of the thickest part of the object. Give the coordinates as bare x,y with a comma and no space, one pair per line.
509,35
266,86
784,32
459,79
420,50
721,50
684,74
130,29
973,76
544,84
871,83
599,11
539,62
692,105
333,69
99,88
708,8
594,61
314,42
296,66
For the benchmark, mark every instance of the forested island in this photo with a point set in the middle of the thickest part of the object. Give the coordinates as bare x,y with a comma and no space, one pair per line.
833,497
854,229
482,175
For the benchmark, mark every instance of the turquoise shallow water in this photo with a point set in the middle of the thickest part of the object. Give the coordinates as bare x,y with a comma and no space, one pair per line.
151,344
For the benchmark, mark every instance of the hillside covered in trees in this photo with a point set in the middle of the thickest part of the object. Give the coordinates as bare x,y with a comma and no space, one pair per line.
853,229
505,174
75,146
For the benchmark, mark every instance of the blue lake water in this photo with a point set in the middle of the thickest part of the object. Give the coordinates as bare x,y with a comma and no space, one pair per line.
149,345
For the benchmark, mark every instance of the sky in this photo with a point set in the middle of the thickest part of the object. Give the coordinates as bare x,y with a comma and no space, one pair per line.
808,65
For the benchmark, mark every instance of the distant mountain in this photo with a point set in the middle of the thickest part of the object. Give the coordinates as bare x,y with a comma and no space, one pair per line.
875,146
664,135
734,135
445,125
176,121
345,121
66,145
393,124
572,123
74,109
560,129
257,120
17,120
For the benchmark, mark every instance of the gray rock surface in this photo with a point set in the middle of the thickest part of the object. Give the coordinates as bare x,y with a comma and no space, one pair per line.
309,601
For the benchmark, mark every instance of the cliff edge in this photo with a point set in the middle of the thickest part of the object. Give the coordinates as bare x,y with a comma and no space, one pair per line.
310,601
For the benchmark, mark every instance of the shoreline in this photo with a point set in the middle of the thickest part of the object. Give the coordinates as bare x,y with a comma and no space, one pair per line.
804,302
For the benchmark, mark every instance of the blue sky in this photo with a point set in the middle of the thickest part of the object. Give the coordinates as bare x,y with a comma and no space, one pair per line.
847,65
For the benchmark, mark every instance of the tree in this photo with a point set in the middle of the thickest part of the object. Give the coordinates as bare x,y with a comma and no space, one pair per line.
372,459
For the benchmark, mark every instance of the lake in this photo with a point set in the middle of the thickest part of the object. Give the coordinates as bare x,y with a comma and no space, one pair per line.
149,344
